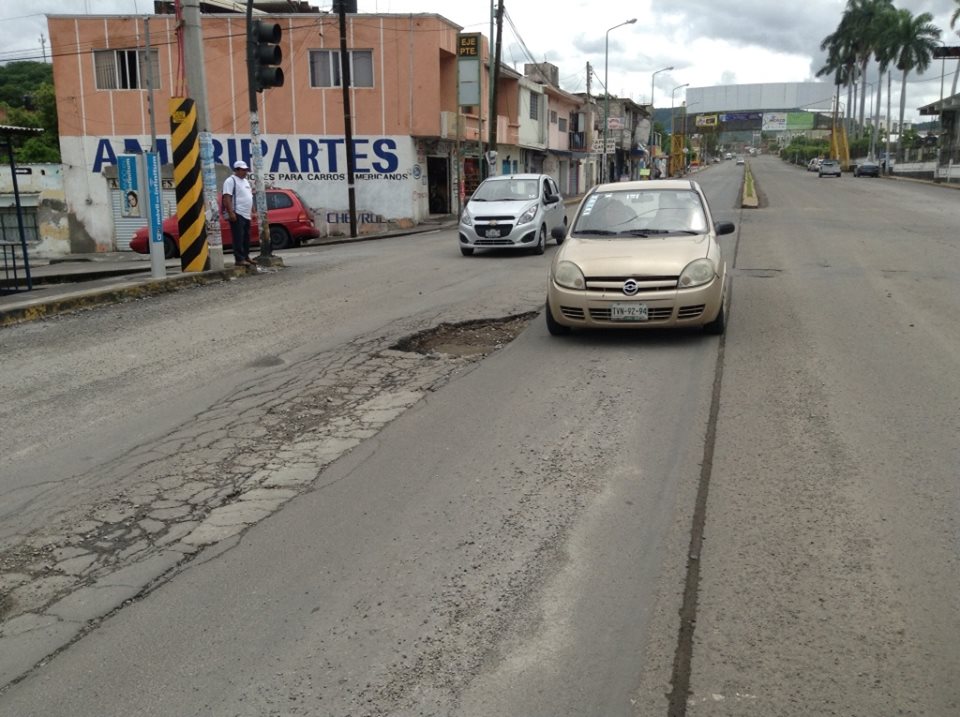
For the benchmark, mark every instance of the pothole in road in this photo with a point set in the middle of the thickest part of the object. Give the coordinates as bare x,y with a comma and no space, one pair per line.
467,338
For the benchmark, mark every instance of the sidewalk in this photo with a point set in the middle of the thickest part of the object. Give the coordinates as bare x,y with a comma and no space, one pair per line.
89,280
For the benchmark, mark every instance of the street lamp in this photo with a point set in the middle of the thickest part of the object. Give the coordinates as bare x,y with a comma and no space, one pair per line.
652,78
672,95
606,93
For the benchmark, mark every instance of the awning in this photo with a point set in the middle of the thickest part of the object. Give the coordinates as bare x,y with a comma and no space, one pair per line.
947,104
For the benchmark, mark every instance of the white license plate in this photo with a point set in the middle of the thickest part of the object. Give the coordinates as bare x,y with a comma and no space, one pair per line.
492,233
628,312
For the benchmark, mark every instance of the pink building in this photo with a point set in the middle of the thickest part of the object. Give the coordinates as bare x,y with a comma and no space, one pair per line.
414,145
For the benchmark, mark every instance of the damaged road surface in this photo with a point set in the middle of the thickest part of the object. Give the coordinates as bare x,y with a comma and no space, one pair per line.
372,484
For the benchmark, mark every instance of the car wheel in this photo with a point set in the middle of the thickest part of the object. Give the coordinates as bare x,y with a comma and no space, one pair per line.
541,240
170,248
555,329
718,325
561,239
279,238
466,250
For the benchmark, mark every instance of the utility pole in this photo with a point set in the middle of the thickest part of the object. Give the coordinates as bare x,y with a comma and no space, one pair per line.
341,6
495,76
158,267
197,84
43,47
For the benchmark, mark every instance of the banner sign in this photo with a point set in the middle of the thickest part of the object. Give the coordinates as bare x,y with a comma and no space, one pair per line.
129,189
706,120
782,121
741,116
468,68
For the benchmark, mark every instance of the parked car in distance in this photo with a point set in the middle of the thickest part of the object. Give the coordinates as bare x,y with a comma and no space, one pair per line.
640,255
728,155
740,160
512,211
291,224
829,167
866,168
814,164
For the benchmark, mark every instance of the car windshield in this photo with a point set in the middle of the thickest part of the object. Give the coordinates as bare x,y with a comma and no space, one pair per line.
642,213
505,190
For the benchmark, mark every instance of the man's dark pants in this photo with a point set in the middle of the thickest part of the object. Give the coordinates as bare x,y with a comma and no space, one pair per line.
240,233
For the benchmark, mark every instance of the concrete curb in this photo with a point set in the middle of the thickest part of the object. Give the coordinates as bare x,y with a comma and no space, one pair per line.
40,308
749,201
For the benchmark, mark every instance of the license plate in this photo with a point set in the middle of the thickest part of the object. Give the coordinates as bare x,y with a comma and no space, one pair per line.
628,312
492,233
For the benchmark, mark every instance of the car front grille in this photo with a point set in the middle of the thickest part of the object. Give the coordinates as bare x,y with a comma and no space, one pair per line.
572,312
493,242
644,283
690,312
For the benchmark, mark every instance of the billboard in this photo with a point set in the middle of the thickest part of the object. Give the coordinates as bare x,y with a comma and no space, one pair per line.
706,120
784,121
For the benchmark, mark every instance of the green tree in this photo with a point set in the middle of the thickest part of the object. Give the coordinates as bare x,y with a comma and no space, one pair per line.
20,80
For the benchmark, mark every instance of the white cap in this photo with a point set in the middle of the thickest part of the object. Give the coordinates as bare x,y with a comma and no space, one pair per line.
240,164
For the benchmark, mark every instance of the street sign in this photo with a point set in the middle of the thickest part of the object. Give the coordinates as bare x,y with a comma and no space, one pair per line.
614,123
611,145
939,52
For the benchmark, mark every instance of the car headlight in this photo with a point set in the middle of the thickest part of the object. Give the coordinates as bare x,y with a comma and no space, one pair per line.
568,274
466,219
696,273
528,216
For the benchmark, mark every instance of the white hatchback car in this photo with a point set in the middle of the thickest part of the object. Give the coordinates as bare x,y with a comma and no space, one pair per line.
512,211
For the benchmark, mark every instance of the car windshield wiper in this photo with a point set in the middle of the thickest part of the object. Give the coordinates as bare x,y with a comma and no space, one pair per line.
598,232
672,231
642,232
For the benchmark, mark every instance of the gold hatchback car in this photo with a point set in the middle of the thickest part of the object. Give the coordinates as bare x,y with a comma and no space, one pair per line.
640,255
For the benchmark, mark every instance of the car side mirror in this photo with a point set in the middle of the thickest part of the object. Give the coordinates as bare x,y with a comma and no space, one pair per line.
559,233
551,198
724,227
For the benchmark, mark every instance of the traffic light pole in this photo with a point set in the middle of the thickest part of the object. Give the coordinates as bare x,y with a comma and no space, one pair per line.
266,257
347,116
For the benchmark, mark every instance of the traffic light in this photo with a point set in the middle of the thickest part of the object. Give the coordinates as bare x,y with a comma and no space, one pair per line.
267,55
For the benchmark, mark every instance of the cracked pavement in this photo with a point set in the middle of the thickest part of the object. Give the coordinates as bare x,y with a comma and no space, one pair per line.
207,481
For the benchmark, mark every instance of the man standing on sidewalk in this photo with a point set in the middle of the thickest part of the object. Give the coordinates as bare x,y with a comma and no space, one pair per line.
238,206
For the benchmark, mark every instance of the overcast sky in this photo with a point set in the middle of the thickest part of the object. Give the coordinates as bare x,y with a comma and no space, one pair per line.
707,42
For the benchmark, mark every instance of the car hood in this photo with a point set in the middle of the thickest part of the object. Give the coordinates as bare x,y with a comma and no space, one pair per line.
661,256
499,209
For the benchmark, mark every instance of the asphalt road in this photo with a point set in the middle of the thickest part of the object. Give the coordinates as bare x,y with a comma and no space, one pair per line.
510,536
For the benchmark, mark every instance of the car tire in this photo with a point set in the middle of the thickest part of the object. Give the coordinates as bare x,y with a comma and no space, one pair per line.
561,239
170,248
466,250
555,328
279,237
718,325
541,240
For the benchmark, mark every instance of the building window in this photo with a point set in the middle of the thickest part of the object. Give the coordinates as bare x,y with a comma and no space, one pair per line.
125,69
534,105
562,124
553,117
325,68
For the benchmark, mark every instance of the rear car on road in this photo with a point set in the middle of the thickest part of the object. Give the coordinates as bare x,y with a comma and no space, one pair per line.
829,167
814,164
291,224
866,168
640,255
513,211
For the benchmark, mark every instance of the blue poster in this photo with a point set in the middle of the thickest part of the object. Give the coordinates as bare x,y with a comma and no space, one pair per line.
129,189
154,194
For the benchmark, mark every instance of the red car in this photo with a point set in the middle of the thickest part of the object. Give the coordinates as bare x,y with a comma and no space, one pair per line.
291,224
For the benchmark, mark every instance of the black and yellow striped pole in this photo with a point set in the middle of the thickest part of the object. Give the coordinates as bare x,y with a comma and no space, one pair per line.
188,180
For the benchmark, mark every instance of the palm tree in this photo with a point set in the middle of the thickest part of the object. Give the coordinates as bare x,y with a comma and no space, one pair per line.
913,40
953,23
862,25
882,31
842,64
